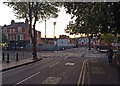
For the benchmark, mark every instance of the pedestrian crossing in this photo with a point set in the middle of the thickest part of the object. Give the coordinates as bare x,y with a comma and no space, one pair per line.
95,55
74,55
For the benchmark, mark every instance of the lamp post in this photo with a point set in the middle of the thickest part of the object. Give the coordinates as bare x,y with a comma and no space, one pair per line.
54,29
45,31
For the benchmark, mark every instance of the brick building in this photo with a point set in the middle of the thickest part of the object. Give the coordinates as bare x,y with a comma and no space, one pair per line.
19,32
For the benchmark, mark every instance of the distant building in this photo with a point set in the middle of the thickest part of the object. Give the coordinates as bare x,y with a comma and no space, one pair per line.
83,41
48,41
19,32
63,37
64,40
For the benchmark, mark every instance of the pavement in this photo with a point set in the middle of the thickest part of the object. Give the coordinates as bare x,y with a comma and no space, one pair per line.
100,72
93,68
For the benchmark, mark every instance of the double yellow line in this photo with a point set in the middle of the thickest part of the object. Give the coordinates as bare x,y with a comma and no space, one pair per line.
82,73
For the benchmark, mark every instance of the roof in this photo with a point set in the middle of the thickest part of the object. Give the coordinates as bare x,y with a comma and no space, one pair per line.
17,24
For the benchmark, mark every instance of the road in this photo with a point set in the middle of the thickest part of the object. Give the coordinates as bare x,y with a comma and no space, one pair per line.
69,68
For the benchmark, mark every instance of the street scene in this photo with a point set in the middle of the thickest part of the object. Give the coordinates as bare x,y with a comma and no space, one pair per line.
60,44
70,67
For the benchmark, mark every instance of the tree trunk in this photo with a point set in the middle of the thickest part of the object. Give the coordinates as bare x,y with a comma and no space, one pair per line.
34,45
89,43
35,34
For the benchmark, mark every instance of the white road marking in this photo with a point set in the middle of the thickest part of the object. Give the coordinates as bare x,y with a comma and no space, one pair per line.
51,80
65,58
95,55
53,64
68,63
27,78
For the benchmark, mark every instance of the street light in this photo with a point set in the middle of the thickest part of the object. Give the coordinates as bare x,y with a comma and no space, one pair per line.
45,31
54,29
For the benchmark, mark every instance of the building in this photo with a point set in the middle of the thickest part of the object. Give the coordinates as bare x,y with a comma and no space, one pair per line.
64,41
83,41
48,41
18,32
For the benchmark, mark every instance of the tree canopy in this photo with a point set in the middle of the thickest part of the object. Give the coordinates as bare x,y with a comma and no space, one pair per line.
33,12
94,18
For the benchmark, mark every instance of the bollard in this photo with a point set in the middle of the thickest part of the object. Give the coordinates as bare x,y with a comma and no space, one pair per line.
16,56
7,58
3,56
32,54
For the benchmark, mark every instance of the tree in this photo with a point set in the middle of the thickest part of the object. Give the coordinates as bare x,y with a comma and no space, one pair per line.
108,38
33,12
93,18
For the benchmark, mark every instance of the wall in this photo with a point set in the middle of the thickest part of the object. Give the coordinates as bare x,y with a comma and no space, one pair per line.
63,42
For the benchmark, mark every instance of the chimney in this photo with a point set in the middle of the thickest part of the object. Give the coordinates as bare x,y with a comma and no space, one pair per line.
12,22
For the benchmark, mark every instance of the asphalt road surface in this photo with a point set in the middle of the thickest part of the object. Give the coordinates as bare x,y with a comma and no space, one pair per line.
67,69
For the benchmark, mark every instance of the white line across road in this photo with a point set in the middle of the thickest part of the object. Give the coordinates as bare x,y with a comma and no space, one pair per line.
53,64
26,78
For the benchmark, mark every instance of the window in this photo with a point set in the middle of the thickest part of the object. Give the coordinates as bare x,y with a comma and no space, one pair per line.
18,37
19,29
13,37
5,29
13,30
22,37
10,37
10,30
7,36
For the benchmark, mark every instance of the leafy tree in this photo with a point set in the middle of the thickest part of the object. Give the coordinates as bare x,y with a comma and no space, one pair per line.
33,12
94,19
108,38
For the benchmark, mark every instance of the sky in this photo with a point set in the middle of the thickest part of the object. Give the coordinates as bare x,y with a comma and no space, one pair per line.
6,15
